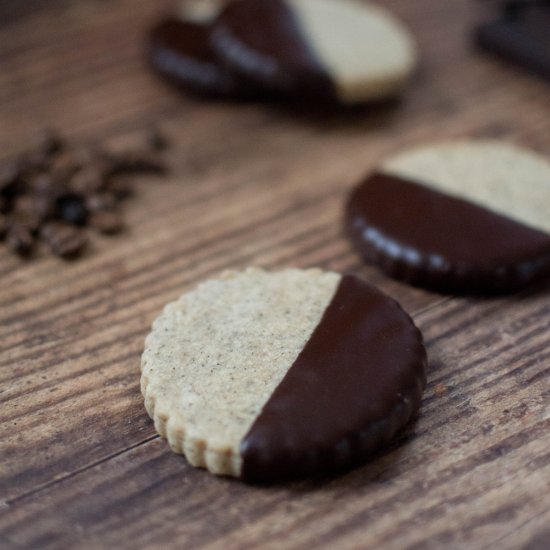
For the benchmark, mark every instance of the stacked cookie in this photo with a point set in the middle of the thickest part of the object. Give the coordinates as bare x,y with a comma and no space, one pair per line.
342,52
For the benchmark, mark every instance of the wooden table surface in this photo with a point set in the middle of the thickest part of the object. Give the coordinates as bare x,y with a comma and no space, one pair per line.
80,463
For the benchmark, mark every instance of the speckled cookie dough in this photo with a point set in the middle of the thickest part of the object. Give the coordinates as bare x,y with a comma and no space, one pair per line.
502,177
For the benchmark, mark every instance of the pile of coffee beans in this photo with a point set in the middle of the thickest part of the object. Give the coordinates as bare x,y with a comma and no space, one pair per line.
51,193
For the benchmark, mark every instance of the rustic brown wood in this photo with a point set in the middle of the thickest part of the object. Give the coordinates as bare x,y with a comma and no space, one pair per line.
80,464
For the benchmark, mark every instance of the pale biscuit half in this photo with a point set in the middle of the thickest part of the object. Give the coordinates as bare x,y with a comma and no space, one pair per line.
368,53
502,177
265,375
215,356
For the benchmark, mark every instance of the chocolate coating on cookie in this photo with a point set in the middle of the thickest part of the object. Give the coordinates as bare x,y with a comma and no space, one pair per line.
341,52
262,40
428,238
181,52
357,381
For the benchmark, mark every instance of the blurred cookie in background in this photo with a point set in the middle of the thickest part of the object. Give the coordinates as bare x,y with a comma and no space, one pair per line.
338,52
344,51
180,50
464,217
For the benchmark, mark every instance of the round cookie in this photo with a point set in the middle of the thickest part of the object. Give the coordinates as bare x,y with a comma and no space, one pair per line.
180,51
269,376
465,217
330,50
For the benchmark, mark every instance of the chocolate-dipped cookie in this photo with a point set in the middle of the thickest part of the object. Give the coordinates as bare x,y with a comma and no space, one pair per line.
180,51
464,217
342,51
271,376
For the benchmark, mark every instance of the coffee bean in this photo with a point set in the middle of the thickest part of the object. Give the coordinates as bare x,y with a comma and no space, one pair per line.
64,240
120,187
91,155
156,140
137,162
31,210
5,205
49,142
88,180
71,208
34,162
9,174
3,226
10,180
19,239
64,167
44,206
45,185
108,222
101,202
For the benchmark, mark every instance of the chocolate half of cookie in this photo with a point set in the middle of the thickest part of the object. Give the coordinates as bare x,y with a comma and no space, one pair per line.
181,52
272,376
467,217
341,51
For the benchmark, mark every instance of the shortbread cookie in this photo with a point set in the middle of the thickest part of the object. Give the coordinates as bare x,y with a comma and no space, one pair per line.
181,52
466,216
344,50
269,376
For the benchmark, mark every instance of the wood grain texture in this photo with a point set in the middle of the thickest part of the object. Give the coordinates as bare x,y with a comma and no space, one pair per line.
80,464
